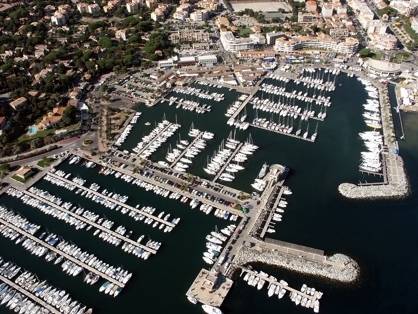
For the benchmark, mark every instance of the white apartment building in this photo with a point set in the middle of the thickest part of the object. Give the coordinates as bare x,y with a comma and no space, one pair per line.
233,44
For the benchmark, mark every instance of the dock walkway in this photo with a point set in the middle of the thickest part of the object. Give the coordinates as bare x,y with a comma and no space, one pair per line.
89,222
227,162
61,253
271,213
185,150
153,139
244,103
82,187
272,280
29,295
308,139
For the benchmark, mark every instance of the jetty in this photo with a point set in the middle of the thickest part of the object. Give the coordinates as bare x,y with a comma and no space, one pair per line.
395,183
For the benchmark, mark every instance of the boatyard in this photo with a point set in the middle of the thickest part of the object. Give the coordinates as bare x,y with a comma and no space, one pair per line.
170,158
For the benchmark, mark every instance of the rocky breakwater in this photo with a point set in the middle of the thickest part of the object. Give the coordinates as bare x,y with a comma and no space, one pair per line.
396,185
337,267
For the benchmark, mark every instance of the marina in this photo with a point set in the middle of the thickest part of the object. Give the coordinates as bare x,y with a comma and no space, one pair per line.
108,235
252,212
305,297
115,202
23,292
116,277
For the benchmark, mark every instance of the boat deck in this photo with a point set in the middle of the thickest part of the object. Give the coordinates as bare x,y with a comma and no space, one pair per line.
30,295
139,211
61,253
227,162
91,223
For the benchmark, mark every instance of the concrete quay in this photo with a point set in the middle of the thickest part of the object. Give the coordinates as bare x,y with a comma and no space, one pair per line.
178,184
308,139
396,183
245,102
29,295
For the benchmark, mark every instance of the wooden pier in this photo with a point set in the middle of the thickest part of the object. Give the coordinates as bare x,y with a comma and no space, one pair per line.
109,199
30,295
89,222
61,253
227,162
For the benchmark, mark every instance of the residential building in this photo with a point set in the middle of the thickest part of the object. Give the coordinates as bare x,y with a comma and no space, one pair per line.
233,44
199,15
186,36
383,41
308,18
327,10
160,12
121,34
256,54
324,42
93,8
271,37
207,60
339,32
404,7
58,19
311,6
132,7
377,27
52,118
111,5
258,38
18,103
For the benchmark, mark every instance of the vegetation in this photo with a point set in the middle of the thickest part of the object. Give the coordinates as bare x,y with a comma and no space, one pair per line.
158,41
389,11
4,170
259,16
45,162
19,179
72,55
401,56
244,31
